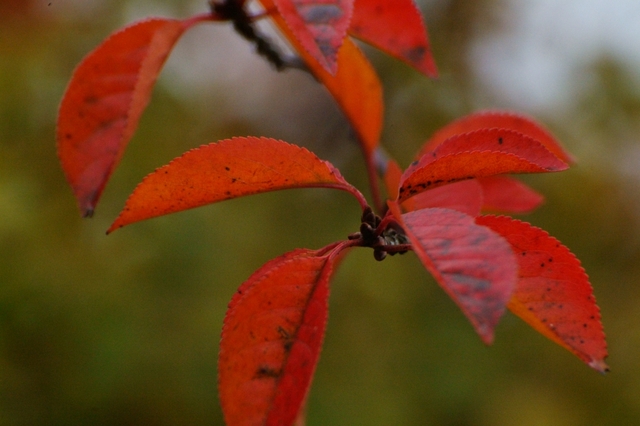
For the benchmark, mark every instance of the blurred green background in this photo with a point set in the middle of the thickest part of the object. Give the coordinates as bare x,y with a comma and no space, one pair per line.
123,330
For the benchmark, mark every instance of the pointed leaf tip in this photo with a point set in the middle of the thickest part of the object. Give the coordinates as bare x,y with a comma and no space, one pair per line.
228,169
474,265
553,294
104,101
271,338
319,26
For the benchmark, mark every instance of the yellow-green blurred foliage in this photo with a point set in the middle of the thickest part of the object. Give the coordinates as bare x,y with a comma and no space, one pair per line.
123,330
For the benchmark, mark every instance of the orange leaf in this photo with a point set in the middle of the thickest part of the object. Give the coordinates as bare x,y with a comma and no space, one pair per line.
104,101
395,27
498,119
553,293
319,25
508,195
465,196
355,86
477,154
271,338
475,266
228,169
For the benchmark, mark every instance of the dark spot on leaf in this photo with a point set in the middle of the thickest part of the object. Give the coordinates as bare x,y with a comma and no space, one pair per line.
264,371
415,163
584,325
68,136
233,180
500,141
227,168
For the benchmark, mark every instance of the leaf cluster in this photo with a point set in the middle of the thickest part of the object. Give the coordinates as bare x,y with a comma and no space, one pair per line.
437,207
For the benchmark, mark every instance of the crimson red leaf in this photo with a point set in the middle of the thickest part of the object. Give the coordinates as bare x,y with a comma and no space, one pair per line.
498,119
228,169
508,195
477,154
475,266
105,99
355,87
319,25
465,196
553,293
271,338
395,27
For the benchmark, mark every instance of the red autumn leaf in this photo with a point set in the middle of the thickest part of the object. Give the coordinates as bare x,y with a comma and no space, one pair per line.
355,86
395,27
465,196
228,169
553,293
105,99
319,25
477,154
271,338
475,266
508,195
498,119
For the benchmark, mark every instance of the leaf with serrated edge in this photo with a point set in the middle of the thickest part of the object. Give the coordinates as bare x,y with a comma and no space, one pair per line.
474,265
228,169
319,25
355,86
105,99
271,338
508,195
395,27
502,120
553,293
477,154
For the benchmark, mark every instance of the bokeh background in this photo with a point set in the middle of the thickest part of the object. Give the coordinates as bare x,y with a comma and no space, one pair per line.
123,330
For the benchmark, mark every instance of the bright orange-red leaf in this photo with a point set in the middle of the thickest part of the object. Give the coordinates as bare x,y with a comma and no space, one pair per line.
319,25
475,266
105,99
465,196
477,154
355,86
553,293
228,169
271,338
498,119
508,195
395,27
